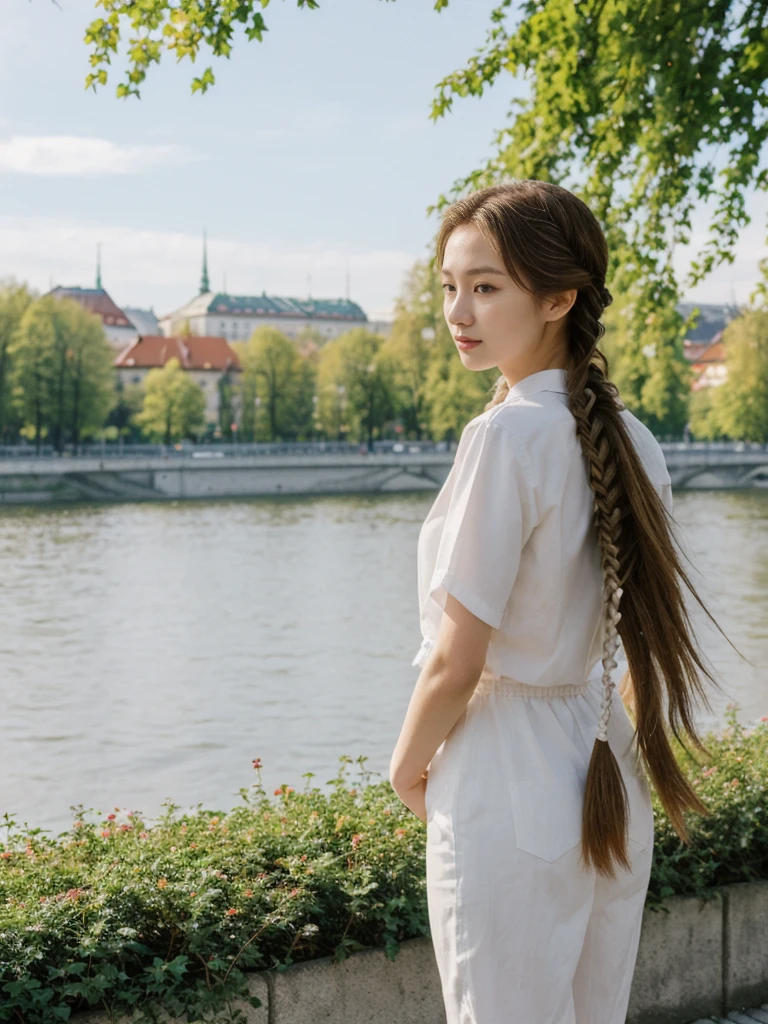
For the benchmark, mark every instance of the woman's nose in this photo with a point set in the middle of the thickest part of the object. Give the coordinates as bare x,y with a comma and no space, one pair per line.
459,314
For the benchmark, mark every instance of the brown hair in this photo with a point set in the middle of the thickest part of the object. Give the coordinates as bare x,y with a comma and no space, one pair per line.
551,242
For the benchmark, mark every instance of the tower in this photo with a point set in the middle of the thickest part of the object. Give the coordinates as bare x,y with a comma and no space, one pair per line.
98,266
205,285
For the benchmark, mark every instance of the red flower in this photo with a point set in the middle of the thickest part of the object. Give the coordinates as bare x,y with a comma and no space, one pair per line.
111,817
278,791
106,833
232,911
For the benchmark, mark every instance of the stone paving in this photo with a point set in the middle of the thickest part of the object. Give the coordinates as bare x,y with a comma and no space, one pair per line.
757,1016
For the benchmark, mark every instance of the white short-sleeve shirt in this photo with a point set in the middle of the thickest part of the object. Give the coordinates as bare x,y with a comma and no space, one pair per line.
511,536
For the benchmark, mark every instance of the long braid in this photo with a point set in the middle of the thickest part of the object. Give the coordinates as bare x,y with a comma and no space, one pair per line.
605,795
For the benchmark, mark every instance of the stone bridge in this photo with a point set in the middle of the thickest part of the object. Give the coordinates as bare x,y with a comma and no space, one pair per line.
213,473
701,466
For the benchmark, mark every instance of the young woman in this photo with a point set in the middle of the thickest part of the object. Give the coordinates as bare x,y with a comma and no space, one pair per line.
546,556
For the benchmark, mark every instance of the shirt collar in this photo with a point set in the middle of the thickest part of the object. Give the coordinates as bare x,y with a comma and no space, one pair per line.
542,380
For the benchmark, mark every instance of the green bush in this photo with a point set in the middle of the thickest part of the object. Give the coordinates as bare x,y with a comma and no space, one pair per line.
731,843
118,915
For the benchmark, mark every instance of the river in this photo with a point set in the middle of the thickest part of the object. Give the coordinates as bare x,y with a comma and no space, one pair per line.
151,651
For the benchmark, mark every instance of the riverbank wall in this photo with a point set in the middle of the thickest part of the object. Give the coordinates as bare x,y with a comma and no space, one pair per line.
64,480
696,960
61,480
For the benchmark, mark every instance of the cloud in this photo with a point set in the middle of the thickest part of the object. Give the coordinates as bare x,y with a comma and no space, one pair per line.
142,267
74,154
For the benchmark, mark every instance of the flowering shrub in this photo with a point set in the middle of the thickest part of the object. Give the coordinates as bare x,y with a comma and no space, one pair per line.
121,915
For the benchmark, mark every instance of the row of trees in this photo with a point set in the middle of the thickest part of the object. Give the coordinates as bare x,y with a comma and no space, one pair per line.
57,380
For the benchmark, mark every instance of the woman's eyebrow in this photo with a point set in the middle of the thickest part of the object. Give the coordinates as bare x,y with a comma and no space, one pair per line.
477,270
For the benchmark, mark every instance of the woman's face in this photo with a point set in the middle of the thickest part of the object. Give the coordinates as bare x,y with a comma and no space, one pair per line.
482,302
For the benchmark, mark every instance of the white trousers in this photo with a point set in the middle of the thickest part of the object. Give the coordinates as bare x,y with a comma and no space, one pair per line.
522,932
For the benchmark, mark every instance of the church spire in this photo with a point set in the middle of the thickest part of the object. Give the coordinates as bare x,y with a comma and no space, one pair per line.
98,266
205,285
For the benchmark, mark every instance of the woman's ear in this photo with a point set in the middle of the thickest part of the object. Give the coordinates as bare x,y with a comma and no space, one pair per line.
558,305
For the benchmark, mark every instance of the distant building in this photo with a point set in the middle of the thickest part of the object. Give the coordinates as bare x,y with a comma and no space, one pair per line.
235,317
703,346
709,365
118,328
144,320
206,360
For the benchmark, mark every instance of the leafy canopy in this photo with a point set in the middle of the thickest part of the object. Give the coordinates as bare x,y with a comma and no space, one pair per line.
181,27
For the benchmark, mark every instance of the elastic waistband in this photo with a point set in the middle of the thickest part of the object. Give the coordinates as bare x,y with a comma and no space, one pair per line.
506,686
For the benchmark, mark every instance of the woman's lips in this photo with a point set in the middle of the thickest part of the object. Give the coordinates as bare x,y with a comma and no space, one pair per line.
468,344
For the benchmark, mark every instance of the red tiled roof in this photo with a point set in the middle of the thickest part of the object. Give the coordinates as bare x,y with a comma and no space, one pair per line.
97,301
194,353
714,353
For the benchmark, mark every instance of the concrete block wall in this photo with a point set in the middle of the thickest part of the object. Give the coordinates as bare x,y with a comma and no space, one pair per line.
696,959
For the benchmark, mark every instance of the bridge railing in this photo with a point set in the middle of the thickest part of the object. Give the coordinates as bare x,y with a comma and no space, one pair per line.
188,450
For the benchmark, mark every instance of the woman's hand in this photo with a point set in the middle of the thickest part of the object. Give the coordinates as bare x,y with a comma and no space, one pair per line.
414,797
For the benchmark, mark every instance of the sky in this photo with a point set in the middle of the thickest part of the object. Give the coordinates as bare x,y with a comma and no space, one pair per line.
311,158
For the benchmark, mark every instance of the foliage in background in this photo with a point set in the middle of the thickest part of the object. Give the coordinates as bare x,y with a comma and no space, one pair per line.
738,408
15,299
115,913
276,392
61,371
174,405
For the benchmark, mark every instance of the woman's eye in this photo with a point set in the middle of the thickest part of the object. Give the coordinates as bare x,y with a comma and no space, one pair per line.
489,286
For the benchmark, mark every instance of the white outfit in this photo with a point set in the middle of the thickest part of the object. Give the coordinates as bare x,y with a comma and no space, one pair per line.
522,932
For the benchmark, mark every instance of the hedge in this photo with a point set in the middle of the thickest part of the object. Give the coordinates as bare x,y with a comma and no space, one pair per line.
117,914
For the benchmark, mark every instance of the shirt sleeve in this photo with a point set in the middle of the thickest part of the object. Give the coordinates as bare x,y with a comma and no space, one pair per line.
489,518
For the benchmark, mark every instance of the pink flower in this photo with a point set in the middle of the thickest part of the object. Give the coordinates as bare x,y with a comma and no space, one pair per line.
257,762
294,892
106,833
356,840
111,817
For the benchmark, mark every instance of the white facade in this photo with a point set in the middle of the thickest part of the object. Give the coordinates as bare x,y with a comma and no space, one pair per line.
200,319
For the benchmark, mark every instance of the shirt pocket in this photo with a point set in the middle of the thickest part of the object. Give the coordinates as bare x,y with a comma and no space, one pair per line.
547,817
